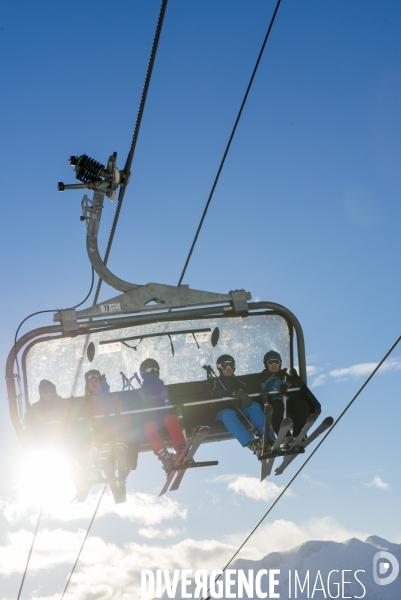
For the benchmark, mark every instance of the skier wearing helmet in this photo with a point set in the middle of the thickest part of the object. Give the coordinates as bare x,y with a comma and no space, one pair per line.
156,395
228,384
300,404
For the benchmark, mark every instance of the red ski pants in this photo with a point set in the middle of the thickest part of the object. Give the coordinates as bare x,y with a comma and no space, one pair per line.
172,424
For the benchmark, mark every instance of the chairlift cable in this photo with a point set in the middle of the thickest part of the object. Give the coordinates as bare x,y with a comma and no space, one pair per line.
138,121
84,540
229,144
39,312
309,457
30,551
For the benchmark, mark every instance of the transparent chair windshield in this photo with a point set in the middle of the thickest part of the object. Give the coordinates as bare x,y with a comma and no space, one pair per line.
181,356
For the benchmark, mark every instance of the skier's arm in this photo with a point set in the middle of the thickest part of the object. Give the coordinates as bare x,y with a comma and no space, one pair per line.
243,397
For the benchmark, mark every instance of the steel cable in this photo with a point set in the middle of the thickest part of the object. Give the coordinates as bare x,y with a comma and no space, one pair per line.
39,312
128,164
229,144
84,540
30,551
138,121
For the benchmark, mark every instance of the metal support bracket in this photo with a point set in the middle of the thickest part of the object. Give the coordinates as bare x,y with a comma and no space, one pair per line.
68,319
239,300
157,296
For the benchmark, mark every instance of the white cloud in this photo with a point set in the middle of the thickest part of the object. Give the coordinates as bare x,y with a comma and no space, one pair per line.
320,380
140,507
364,369
109,572
52,548
160,534
352,372
378,482
315,482
251,487
283,535
106,571
222,478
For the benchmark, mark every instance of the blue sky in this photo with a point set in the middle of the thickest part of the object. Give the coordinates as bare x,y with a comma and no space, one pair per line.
306,214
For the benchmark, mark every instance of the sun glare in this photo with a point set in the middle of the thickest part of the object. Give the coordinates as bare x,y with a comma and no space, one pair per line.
45,475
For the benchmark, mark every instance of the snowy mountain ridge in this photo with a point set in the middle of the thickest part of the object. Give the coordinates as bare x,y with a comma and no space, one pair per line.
315,569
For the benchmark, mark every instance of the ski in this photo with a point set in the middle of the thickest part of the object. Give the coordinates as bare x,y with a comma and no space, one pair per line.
315,434
193,465
267,465
193,447
178,462
121,457
178,472
118,496
89,475
268,413
98,461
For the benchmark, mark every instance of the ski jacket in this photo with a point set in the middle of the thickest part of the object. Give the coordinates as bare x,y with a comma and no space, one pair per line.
273,381
226,386
102,404
154,391
50,410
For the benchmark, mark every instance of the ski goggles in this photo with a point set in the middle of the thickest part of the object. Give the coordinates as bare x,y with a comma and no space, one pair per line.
227,364
274,361
92,375
151,370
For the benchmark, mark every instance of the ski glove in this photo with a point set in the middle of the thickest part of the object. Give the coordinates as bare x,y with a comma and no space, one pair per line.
245,400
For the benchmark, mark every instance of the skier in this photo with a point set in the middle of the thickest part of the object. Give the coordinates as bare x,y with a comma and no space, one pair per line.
156,395
228,384
45,418
50,405
109,430
300,404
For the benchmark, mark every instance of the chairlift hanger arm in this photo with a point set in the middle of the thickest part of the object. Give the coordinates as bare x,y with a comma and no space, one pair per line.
135,297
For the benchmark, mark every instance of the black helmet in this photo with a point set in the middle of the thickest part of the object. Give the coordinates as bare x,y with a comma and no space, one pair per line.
93,373
269,355
148,365
224,361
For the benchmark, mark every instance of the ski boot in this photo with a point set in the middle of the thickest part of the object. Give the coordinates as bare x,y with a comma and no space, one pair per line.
255,446
168,460
288,442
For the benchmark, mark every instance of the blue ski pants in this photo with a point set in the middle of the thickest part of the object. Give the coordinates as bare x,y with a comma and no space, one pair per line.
229,418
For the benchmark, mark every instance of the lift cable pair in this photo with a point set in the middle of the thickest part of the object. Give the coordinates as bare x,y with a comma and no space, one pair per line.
309,457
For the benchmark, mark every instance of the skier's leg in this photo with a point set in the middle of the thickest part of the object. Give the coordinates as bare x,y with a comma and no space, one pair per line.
255,415
234,426
151,429
278,414
298,410
173,426
152,434
132,458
